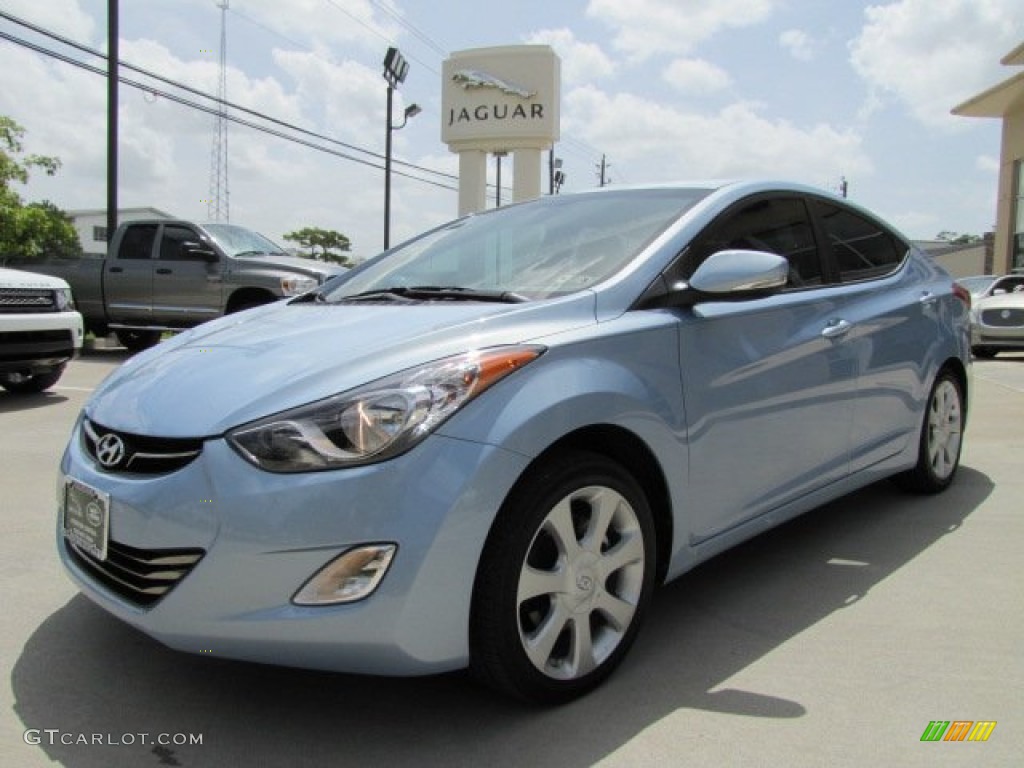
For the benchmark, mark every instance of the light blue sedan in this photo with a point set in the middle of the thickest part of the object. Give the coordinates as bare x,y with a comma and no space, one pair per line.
486,446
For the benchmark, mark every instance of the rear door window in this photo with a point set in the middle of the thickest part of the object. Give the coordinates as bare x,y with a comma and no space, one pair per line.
862,248
137,242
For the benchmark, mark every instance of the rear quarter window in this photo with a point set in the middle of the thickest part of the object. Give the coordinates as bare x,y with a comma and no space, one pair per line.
862,248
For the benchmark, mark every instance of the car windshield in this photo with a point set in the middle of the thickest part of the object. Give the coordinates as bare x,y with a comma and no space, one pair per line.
976,285
535,250
239,241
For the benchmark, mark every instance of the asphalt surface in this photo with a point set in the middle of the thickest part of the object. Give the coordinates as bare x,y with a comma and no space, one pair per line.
834,640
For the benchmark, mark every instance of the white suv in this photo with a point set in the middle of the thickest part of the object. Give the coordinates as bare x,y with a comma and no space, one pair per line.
40,331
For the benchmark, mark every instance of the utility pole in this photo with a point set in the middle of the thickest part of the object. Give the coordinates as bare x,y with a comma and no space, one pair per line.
602,171
843,186
112,75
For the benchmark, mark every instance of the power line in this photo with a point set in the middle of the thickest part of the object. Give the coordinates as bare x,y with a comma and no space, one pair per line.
423,36
197,92
379,34
233,118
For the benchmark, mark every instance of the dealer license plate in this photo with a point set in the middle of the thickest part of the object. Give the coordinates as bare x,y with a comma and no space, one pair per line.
86,513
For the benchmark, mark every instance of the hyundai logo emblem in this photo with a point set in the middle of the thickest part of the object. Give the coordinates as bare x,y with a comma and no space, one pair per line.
110,450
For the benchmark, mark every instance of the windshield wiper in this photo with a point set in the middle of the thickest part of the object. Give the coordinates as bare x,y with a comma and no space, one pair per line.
437,292
310,297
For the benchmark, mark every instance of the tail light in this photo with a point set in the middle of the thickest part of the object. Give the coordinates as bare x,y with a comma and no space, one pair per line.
962,293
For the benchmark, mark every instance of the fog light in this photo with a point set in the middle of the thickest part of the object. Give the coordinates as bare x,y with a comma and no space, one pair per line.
349,577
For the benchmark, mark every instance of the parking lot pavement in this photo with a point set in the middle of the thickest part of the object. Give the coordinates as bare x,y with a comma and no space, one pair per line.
836,639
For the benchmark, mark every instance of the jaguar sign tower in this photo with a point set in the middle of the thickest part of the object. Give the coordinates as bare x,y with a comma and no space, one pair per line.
502,99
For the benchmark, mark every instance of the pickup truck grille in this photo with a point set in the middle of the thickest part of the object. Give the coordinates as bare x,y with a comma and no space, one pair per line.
137,454
27,300
141,576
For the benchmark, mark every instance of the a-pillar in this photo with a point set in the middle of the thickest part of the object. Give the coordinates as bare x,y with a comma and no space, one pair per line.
526,163
472,181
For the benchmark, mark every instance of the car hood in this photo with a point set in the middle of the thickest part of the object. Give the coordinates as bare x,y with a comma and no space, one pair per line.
1002,301
16,278
256,363
289,264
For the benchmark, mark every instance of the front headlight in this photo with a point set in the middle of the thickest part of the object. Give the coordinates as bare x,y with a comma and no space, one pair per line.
295,286
379,420
64,300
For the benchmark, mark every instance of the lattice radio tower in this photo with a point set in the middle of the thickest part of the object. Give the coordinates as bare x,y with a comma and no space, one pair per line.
218,204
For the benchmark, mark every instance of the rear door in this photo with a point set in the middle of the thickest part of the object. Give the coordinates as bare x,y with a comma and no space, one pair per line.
128,276
187,288
768,384
894,314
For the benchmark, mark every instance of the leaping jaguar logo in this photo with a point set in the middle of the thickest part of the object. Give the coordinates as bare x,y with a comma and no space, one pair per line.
474,78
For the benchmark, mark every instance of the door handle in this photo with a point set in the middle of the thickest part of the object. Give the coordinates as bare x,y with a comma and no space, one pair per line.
116,269
165,271
836,329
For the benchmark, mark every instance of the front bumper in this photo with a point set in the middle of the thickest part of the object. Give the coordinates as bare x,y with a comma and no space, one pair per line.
39,342
1010,337
265,534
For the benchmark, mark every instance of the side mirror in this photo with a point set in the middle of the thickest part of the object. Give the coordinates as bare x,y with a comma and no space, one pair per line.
191,249
735,275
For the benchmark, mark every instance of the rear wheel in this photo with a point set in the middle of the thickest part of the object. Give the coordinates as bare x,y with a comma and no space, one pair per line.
136,340
30,385
941,438
564,581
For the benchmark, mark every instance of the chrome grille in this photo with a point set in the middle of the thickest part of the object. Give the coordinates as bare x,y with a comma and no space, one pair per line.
1003,318
27,300
141,576
137,454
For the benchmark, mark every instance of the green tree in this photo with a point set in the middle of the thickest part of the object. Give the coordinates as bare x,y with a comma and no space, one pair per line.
955,238
332,244
33,230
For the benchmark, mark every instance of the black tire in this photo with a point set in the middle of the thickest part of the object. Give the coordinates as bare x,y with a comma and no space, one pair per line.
33,384
136,340
941,438
249,301
560,633
985,353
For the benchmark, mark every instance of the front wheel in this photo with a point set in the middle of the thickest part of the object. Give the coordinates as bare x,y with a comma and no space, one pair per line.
941,438
31,385
565,578
136,340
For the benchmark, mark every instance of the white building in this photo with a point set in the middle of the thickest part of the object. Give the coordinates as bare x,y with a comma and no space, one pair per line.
91,225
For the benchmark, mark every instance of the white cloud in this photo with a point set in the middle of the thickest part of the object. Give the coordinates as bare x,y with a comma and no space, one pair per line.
61,16
987,163
654,142
933,54
696,76
647,27
337,21
581,62
798,44
349,94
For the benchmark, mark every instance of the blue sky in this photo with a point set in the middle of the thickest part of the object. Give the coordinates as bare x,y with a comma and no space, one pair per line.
665,89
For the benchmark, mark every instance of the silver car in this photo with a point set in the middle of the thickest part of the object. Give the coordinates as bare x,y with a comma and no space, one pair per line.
487,446
997,319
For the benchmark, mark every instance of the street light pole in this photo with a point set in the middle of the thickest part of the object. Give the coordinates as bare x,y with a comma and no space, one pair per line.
395,70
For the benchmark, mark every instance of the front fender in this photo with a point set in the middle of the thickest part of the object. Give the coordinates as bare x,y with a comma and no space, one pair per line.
625,374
